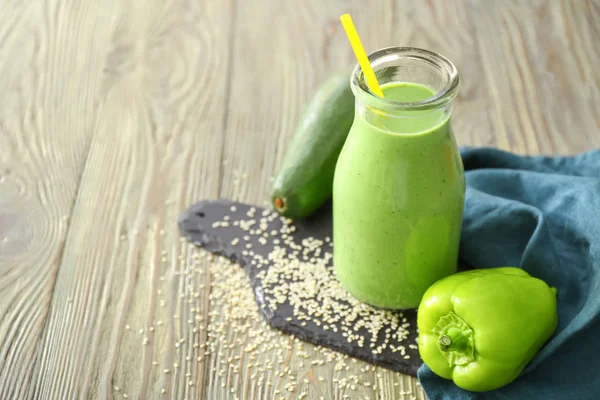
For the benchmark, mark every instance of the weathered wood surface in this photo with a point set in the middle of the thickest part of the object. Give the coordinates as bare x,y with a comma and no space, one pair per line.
115,116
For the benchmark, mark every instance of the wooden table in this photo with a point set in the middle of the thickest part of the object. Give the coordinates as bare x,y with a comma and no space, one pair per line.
115,116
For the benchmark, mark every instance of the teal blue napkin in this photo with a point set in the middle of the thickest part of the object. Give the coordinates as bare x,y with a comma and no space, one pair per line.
542,214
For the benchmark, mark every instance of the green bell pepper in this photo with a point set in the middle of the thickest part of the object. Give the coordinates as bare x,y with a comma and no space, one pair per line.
481,328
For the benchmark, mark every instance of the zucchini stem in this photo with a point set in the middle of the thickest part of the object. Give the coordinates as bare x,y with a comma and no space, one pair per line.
278,202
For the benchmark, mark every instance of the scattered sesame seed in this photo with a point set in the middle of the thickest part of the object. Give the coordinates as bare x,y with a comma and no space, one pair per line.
310,283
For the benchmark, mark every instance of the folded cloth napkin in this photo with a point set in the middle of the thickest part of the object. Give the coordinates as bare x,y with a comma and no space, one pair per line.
542,214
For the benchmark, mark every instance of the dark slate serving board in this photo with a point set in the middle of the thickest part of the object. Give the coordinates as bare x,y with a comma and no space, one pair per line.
196,224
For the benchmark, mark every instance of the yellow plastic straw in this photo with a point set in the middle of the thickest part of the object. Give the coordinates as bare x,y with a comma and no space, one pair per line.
359,51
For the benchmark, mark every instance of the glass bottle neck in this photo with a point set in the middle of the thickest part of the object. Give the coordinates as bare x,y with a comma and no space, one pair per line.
408,122
419,88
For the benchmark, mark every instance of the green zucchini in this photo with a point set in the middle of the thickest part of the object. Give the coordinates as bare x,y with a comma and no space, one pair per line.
305,179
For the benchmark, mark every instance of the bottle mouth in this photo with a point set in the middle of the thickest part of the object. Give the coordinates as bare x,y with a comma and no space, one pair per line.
408,64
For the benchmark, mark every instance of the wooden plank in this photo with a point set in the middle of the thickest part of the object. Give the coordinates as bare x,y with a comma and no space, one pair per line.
156,149
539,59
279,63
50,76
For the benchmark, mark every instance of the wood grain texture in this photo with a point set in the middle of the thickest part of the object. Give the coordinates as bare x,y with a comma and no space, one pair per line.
116,116
538,59
158,123
49,77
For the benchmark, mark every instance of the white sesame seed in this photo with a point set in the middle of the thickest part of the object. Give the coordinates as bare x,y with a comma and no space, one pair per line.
306,270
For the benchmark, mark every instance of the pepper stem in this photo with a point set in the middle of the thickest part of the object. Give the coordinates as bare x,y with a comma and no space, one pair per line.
455,339
445,341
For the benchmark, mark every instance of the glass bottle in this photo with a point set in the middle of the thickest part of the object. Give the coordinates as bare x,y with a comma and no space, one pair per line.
399,184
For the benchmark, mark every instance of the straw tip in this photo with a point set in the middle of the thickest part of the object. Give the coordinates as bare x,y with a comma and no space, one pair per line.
345,17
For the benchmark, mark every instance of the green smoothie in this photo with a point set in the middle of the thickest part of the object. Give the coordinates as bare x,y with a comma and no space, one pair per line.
398,199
